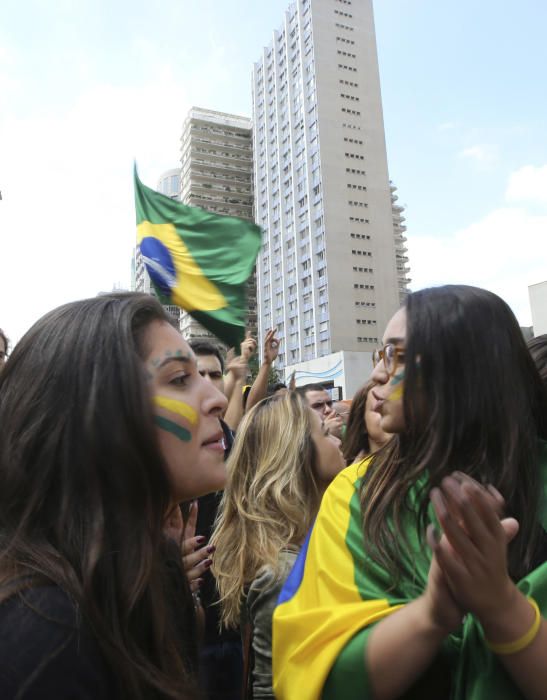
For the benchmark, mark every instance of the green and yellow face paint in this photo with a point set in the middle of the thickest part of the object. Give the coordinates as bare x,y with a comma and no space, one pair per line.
179,409
397,383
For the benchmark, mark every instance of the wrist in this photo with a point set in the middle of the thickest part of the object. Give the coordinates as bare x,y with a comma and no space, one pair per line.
431,624
513,612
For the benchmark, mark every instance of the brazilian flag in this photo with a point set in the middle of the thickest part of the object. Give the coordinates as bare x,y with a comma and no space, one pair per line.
197,260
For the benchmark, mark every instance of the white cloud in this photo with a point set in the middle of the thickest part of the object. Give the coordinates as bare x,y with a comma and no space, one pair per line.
447,126
503,252
67,213
528,184
482,154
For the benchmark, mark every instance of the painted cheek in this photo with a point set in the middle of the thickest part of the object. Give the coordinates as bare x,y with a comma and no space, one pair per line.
397,384
178,409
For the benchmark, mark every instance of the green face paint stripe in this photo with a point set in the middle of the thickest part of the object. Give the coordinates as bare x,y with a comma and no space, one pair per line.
397,378
178,407
173,428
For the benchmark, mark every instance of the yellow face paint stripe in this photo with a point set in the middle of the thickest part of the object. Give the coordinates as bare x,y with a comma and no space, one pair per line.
397,393
178,407
193,290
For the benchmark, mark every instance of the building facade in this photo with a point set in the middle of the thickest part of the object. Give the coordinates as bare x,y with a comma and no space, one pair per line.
401,252
217,175
327,274
538,305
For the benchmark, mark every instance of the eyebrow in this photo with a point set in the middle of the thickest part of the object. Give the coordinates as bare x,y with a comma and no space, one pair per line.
185,359
394,341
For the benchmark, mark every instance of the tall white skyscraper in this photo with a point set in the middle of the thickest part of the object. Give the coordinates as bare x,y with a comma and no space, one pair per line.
327,273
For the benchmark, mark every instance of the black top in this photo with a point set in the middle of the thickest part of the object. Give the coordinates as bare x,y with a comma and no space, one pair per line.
47,651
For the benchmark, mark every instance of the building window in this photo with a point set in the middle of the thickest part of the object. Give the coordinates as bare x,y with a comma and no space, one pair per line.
360,339
343,26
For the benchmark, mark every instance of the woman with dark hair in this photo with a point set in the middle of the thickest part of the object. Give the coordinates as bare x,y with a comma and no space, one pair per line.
363,435
375,612
105,426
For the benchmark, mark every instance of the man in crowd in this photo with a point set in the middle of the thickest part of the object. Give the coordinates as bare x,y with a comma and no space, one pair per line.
319,400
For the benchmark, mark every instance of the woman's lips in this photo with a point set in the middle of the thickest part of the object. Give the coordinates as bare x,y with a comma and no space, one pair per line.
377,403
215,442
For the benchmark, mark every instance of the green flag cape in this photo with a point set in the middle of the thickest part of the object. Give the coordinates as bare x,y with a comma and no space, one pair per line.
197,260
336,594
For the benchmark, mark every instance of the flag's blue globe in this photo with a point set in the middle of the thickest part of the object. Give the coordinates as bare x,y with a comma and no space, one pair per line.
159,264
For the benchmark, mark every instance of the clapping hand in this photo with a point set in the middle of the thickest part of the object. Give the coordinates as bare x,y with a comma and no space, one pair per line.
472,553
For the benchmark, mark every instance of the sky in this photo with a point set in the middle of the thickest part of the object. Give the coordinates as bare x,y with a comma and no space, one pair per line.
87,86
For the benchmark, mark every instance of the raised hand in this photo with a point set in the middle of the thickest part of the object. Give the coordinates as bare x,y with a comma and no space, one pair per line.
472,553
271,347
248,346
238,366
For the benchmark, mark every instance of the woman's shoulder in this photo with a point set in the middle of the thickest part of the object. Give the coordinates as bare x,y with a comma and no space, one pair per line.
46,650
267,577
344,486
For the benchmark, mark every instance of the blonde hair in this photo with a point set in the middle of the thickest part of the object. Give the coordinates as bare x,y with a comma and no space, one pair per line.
271,496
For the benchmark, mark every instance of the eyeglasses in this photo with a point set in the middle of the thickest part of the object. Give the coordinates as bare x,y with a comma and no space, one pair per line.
391,355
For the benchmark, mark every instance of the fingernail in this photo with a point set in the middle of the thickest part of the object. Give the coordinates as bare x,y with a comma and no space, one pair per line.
210,549
200,539
207,563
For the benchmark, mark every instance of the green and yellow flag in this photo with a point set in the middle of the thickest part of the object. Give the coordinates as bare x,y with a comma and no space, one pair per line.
197,260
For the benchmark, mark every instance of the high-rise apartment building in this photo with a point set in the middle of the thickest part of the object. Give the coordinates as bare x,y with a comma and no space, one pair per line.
401,257
217,175
327,274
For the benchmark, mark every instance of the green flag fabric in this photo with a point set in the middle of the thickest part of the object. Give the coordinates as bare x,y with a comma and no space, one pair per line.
197,260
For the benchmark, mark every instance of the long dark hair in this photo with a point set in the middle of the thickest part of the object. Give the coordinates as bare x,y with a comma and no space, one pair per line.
356,440
84,488
473,401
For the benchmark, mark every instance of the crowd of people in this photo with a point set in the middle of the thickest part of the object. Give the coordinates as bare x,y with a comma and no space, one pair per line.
168,531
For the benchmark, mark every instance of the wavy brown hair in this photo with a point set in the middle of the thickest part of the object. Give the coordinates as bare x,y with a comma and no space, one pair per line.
84,489
473,402
271,496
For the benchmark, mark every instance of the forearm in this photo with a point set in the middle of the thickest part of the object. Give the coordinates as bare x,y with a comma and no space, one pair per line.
229,384
401,648
234,412
528,667
259,388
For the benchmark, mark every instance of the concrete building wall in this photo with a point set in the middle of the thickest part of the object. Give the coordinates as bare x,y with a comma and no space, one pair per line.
342,372
538,304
